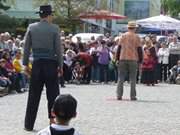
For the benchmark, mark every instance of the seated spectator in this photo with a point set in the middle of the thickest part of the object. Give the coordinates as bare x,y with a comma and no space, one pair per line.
17,64
8,65
68,62
10,69
4,76
175,73
78,73
85,61
64,110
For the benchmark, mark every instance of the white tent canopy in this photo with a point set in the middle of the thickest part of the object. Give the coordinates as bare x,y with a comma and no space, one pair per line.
160,22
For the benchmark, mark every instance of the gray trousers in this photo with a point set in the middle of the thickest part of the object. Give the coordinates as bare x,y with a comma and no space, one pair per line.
125,68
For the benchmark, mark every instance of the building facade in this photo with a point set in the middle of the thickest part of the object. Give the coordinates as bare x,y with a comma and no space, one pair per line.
133,9
23,9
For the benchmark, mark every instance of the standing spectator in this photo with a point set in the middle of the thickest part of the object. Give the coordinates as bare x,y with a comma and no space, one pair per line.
174,48
103,60
113,71
44,39
129,51
95,67
149,63
147,68
163,61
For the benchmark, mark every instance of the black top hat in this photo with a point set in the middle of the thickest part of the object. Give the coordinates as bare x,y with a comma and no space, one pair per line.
45,9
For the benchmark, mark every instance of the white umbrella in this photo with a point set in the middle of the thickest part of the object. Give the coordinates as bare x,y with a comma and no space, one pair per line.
160,22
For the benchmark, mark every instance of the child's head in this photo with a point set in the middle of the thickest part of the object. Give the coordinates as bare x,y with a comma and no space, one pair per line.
2,62
163,45
18,54
65,107
6,55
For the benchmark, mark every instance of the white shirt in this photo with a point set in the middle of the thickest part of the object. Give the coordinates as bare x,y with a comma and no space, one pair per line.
174,48
163,55
47,131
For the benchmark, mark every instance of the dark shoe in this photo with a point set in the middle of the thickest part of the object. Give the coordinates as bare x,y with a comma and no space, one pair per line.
19,90
63,86
28,129
133,98
119,98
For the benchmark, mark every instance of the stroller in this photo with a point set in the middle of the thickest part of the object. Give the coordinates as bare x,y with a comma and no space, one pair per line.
77,73
174,75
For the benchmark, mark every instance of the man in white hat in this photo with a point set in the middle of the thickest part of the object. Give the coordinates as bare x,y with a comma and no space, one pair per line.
128,55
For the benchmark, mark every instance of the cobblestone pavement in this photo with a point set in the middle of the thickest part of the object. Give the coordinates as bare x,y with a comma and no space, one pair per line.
157,112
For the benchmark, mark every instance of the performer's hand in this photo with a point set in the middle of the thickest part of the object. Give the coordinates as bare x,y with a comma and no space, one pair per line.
26,69
117,63
60,71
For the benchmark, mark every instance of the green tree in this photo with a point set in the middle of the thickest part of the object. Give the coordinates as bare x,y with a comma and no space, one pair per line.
3,6
171,7
68,10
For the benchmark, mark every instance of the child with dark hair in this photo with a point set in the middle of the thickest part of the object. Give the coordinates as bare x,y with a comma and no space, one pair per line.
64,110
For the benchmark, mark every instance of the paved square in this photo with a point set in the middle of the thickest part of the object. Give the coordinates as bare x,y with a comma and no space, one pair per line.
157,112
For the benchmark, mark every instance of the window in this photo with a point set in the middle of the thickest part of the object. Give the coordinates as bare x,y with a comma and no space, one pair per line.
137,9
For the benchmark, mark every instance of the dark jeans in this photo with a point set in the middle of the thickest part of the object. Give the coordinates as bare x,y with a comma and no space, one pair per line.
163,72
103,73
95,73
44,72
87,74
67,72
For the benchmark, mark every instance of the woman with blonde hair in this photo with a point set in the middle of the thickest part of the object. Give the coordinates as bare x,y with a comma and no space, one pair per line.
149,62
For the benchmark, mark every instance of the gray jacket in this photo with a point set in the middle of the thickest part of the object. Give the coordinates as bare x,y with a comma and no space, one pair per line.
44,40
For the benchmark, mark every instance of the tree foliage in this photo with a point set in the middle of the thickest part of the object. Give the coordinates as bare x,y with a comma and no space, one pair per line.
68,10
171,7
3,6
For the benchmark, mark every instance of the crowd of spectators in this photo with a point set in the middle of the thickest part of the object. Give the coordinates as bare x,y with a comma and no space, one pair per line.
12,76
93,62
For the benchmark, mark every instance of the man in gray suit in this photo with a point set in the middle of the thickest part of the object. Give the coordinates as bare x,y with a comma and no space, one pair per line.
43,39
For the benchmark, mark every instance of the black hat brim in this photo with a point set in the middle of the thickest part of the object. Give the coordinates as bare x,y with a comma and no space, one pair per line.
38,12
